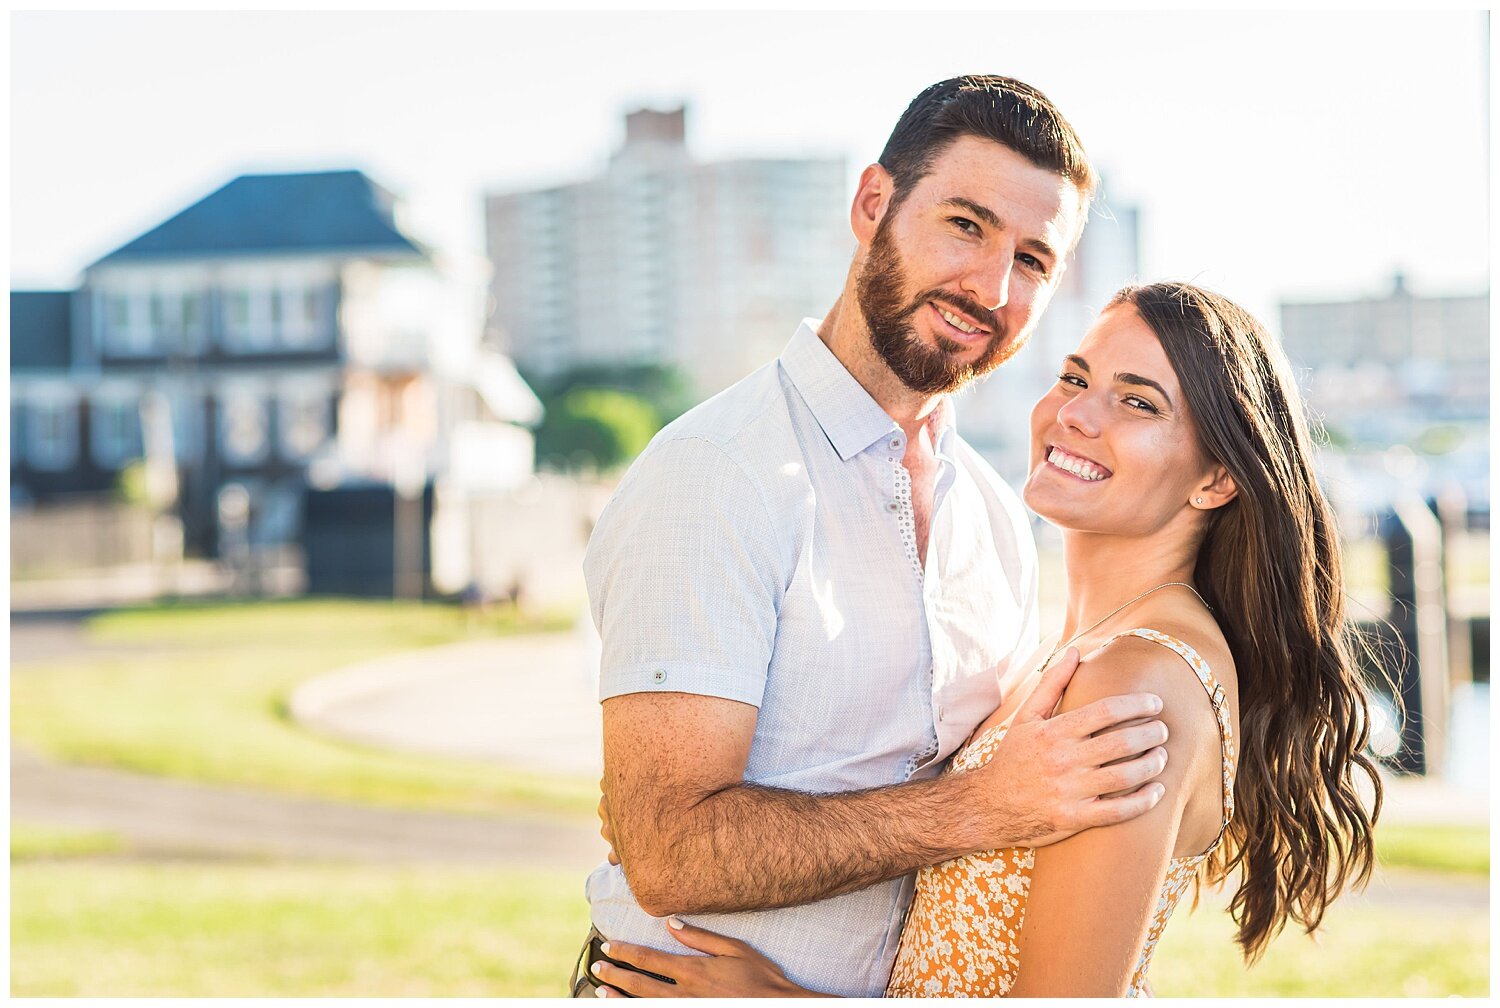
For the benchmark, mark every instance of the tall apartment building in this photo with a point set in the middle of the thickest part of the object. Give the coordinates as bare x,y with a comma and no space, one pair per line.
667,260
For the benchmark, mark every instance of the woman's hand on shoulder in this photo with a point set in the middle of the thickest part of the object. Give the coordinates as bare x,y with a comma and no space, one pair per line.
729,969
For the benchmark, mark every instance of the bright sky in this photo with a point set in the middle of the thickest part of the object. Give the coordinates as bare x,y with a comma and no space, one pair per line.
1273,155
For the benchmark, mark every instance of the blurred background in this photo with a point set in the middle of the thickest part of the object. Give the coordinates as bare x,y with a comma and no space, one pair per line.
330,334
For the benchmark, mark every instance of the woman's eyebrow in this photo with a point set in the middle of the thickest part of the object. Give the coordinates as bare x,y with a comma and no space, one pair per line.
1134,379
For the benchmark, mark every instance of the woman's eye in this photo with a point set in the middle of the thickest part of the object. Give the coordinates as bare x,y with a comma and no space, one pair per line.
1144,405
1067,378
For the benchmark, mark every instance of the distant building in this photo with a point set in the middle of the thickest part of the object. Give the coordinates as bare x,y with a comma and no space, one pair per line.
1380,369
280,330
1397,369
666,260
994,413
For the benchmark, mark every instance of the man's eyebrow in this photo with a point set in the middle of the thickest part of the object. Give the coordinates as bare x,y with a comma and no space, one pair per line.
984,213
989,217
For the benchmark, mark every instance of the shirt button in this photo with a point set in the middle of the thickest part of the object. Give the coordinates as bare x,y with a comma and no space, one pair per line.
895,443
893,507
660,675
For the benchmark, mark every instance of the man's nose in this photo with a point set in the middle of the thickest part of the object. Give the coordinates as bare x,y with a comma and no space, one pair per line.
990,284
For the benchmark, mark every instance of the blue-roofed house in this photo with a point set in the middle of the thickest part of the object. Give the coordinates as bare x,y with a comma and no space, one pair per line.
289,324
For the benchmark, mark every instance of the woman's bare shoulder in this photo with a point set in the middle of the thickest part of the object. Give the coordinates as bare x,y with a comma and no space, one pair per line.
1135,664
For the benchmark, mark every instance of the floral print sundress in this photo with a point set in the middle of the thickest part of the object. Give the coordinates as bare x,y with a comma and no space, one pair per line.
962,933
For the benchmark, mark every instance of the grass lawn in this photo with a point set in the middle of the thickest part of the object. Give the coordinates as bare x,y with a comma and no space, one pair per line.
28,840
267,929
1464,850
1362,950
98,928
199,692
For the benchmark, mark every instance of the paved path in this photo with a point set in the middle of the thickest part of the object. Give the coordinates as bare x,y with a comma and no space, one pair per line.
529,702
161,816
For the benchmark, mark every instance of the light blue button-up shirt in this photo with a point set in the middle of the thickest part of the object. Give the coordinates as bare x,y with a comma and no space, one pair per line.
762,549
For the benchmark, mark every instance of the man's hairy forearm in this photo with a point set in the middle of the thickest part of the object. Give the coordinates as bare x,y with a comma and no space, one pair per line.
748,847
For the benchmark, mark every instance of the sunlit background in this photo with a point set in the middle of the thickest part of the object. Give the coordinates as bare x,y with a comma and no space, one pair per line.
330,334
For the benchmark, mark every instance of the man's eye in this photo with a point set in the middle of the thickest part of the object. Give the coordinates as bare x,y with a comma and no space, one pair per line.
1032,263
965,225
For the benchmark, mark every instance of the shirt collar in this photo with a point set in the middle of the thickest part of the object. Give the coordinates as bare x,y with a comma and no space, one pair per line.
850,418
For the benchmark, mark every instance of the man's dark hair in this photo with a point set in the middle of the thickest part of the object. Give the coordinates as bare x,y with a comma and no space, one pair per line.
1001,109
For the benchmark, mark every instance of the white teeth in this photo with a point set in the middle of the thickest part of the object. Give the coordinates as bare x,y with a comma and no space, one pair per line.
958,323
1078,467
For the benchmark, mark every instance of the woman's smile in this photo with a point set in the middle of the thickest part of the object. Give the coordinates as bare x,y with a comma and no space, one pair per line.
1076,465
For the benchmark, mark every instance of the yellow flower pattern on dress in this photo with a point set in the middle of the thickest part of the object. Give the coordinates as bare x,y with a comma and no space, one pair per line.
962,933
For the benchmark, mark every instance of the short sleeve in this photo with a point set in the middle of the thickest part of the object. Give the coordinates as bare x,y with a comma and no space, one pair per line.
682,576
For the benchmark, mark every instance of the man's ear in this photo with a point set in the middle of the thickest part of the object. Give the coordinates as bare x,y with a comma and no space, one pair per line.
871,200
1216,492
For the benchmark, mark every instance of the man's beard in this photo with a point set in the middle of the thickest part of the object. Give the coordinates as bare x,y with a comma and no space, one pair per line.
921,368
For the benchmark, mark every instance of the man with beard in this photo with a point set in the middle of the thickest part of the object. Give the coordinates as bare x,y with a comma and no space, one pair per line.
810,589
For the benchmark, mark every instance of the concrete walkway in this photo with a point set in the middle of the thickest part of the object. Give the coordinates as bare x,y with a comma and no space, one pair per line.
528,702
160,817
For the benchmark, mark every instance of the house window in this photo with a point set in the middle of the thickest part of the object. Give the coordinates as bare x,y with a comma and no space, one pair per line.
194,315
304,425
192,311
166,322
52,437
250,315
127,333
301,325
243,434
237,317
115,427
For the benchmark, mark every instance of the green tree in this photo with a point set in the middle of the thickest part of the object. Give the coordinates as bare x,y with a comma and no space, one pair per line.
663,386
597,428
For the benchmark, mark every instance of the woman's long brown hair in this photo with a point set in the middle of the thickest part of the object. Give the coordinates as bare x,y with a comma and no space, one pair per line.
1270,567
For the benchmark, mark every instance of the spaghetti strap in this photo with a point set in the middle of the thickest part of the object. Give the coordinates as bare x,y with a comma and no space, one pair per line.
1220,703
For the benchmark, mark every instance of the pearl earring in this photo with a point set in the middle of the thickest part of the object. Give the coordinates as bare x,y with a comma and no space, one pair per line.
1198,500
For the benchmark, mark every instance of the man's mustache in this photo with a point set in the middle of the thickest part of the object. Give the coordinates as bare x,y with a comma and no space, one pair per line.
959,302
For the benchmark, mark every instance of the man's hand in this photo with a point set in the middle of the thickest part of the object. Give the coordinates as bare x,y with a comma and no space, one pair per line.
1054,775
605,830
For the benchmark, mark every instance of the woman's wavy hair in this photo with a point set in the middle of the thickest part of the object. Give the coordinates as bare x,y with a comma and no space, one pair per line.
1270,567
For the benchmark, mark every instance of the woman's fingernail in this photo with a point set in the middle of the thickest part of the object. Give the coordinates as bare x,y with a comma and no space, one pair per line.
601,992
674,923
597,969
